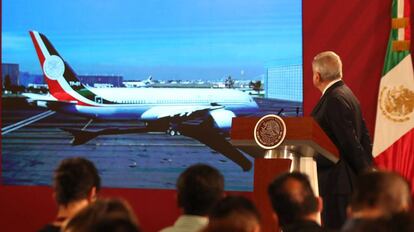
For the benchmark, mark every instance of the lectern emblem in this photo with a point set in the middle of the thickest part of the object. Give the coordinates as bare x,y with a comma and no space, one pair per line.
270,131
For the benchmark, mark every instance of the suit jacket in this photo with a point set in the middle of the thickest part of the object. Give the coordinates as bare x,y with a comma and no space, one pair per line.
304,226
339,114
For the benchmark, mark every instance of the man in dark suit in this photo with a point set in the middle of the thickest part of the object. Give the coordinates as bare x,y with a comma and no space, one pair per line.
339,114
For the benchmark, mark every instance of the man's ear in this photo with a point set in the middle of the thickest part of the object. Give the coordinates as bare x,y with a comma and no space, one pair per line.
318,77
256,228
319,201
349,212
275,217
92,195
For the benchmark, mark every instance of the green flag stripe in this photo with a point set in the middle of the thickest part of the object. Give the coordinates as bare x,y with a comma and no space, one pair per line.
394,9
392,58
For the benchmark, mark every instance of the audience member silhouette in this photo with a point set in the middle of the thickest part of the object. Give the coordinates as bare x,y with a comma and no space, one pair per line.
400,222
234,214
104,215
294,203
199,188
378,194
75,183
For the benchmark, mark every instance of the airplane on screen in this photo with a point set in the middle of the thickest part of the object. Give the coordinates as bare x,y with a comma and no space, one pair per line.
139,84
202,114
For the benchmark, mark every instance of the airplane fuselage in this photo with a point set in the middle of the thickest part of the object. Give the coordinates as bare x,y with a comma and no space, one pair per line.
147,104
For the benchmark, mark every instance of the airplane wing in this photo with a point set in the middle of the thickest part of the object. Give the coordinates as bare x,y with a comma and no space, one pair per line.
216,141
190,121
201,132
194,122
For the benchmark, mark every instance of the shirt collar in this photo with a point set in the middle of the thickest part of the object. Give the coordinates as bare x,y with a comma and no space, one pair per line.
191,219
330,84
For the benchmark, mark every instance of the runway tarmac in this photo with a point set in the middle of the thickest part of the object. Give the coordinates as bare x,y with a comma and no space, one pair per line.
30,153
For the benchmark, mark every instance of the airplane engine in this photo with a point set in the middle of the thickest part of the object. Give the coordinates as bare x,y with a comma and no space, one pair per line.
222,118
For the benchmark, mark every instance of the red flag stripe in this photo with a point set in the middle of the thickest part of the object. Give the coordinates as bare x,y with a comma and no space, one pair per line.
399,157
407,9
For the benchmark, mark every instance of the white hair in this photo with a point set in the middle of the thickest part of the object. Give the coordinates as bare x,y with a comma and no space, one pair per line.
329,65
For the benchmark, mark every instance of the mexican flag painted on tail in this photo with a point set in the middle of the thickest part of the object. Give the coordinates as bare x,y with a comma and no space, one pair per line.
394,128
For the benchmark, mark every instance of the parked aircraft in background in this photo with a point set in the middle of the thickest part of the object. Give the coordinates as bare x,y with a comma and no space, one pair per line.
202,114
138,84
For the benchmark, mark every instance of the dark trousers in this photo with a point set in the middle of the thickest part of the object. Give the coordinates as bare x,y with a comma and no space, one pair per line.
334,210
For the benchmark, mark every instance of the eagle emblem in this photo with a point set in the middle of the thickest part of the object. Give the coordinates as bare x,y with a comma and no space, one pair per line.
397,103
54,67
270,131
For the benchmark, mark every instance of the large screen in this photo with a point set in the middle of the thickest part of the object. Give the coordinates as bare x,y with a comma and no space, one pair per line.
121,83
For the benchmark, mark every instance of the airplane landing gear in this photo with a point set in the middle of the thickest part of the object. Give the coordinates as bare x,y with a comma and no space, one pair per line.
173,132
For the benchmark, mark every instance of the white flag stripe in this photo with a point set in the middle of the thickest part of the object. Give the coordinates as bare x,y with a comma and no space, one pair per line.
401,34
400,14
386,131
400,10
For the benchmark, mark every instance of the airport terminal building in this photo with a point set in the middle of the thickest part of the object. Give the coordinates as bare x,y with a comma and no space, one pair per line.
284,82
12,71
102,80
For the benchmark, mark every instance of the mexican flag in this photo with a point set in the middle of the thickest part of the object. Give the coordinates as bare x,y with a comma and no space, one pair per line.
394,129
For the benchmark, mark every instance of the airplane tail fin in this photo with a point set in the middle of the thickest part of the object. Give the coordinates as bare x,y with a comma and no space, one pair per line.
148,81
62,81
57,73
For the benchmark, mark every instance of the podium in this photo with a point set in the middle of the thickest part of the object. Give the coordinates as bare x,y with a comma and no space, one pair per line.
304,141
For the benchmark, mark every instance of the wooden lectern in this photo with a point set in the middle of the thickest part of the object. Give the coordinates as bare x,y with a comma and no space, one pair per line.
304,141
